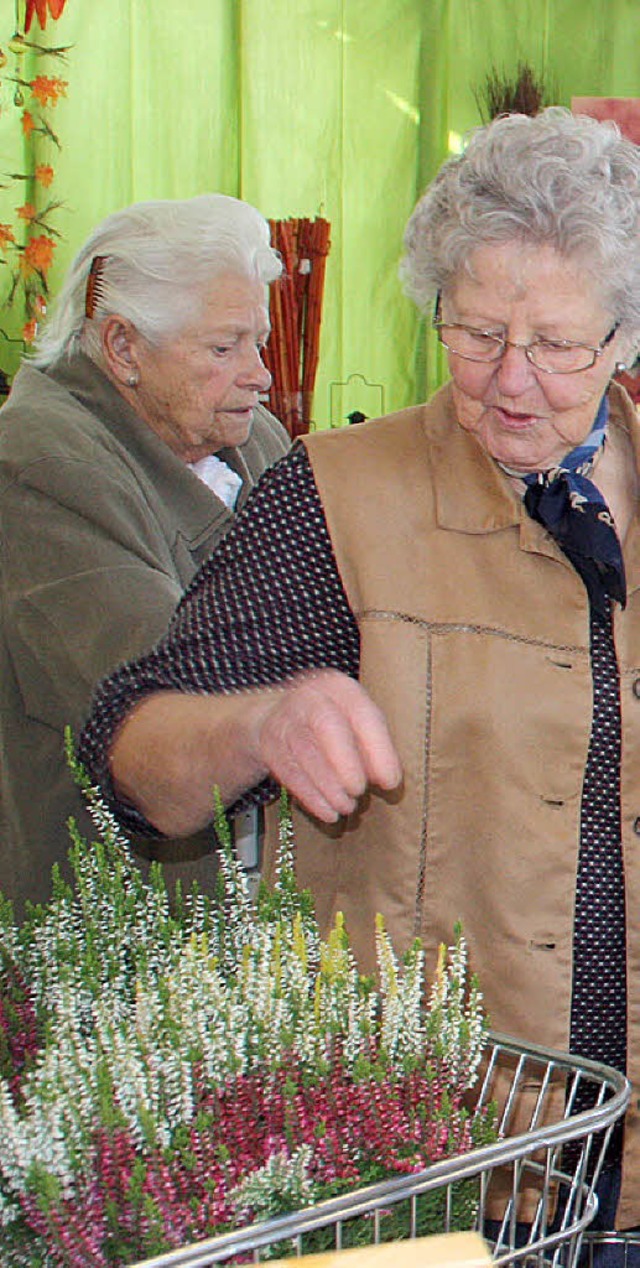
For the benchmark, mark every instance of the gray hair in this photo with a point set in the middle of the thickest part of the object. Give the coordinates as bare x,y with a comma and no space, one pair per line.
559,179
155,258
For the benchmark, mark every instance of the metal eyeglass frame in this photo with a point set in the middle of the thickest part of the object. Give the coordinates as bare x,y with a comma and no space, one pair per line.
528,348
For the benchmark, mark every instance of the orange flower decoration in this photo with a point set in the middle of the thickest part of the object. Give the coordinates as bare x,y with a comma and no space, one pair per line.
44,174
39,7
28,123
37,256
29,330
6,236
47,89
27,211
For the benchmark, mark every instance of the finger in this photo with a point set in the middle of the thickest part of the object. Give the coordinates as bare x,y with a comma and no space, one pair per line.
377,753
308,748
326,741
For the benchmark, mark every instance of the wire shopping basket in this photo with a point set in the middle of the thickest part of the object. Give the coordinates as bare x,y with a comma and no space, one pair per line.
531,1193
625,1245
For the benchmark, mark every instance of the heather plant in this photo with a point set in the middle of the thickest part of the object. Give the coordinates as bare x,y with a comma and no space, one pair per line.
170,1069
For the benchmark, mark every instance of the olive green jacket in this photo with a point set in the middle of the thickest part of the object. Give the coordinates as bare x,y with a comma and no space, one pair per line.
101,529
475,643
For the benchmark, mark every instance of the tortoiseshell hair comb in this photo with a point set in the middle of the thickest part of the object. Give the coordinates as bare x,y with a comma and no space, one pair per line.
93,293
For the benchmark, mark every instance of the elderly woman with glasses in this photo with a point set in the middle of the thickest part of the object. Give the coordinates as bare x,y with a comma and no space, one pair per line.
428,627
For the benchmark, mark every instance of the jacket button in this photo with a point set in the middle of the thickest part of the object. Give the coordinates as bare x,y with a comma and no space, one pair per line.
636,826
636,688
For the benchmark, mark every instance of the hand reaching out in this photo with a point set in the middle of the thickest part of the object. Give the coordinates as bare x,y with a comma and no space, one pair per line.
324,739
320,735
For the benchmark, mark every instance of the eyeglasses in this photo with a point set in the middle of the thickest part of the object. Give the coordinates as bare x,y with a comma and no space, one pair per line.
553,356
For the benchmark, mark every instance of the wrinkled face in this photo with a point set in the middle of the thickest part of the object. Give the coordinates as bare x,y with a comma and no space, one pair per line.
522,416
198,390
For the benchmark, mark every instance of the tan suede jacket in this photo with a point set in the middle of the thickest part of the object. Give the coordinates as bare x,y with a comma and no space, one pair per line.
475,642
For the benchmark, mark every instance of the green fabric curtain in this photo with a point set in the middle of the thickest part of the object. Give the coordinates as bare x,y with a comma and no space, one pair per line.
343,108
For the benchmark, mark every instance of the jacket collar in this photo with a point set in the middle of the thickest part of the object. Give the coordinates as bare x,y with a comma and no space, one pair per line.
459,463
494,504
623,414
189,502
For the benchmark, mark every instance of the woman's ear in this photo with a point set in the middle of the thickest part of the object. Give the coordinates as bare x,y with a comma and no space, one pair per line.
119,339
627,350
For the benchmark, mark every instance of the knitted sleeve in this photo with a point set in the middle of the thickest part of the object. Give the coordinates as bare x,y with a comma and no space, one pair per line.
267,604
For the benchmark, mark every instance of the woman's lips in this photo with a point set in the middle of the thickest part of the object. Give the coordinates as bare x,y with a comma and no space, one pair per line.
238,411
515,421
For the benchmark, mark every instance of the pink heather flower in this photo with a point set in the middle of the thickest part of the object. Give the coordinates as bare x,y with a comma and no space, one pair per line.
340,1125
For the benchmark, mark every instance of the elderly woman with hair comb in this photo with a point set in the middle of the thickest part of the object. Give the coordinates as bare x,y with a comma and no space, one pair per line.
128,442
438,645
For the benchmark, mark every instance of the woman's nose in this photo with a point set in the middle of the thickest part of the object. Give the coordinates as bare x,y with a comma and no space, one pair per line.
255,372
514,372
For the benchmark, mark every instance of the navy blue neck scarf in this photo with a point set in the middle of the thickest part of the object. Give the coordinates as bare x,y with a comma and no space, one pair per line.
573,511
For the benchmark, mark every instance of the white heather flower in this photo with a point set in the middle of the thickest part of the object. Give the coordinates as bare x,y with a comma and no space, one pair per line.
282,1183
137,1003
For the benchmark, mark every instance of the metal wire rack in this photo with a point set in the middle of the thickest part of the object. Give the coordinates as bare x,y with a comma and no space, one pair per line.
625,1245
531,1193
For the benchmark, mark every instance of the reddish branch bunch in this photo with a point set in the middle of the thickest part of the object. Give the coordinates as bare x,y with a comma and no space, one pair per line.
296,317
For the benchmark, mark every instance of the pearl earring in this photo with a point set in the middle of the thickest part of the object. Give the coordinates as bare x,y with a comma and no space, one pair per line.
134,379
